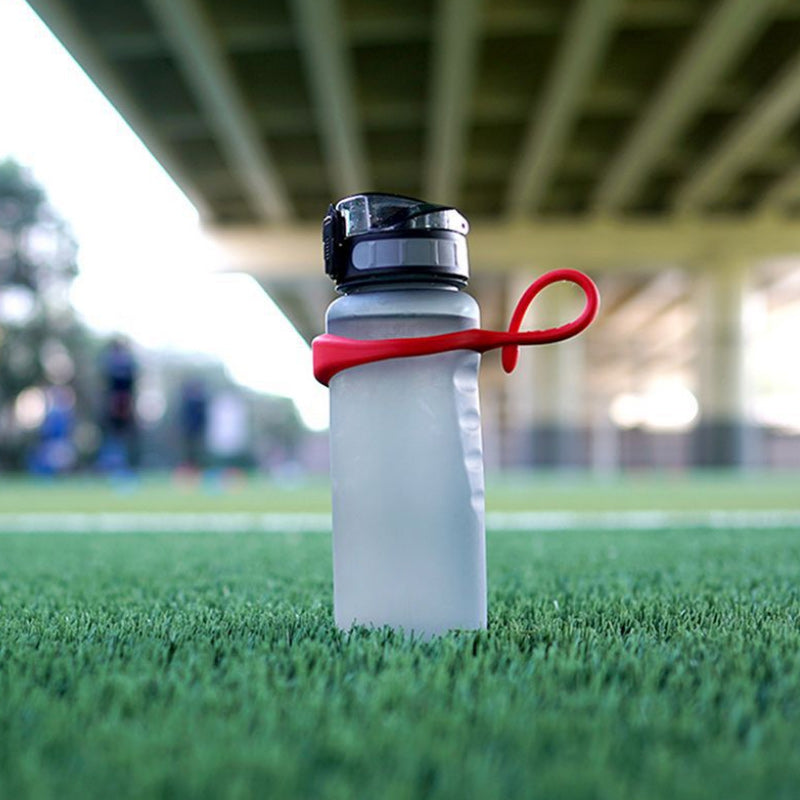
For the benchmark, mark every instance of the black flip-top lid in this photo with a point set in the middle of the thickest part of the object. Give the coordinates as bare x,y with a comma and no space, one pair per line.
373,237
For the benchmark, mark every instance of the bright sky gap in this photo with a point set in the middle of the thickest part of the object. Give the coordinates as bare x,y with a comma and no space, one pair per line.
146,269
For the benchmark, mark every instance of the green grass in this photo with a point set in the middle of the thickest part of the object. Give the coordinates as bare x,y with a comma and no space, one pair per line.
616,665
550,492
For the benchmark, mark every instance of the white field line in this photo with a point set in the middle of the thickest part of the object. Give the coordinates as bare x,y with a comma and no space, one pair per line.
245,522
163,522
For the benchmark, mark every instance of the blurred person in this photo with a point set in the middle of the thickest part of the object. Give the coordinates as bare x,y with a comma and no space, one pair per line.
119,372
228,435
194,421
56,452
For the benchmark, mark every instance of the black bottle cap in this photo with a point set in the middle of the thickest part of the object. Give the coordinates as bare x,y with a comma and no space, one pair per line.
373,238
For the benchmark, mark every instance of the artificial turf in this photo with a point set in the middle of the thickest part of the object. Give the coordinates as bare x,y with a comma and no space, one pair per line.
616,664
235,491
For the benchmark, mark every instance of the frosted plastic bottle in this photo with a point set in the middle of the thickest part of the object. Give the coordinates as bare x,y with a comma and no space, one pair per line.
406,453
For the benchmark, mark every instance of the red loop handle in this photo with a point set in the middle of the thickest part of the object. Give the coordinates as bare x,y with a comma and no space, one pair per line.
332,354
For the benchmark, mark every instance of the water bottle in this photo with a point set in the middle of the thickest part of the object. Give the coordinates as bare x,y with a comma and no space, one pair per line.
401,357
409,546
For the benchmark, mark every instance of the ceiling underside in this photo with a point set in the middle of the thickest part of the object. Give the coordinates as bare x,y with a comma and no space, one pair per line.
266,110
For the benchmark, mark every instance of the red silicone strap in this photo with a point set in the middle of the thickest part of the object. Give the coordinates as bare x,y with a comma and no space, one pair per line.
332,354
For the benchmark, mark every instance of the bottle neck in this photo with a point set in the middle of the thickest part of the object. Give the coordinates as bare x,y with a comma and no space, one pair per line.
399,285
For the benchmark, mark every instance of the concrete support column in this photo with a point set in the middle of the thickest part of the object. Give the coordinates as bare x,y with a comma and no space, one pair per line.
604,453
721,436
545,401
519,394
489,291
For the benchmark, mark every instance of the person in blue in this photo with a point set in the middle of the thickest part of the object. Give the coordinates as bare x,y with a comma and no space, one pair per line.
55,452
119,373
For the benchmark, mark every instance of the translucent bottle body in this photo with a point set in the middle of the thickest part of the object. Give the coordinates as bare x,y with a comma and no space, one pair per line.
407,469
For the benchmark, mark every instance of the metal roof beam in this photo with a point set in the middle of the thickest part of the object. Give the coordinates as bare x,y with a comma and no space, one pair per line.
330,77
660,295
773,111
783,193
69,31
634,245
730,27
455,44
582,46
205,69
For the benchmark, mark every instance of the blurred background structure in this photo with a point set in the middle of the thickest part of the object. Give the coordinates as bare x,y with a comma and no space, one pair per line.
653,143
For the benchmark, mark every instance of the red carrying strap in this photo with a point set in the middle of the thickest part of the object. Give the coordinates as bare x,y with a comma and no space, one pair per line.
332,354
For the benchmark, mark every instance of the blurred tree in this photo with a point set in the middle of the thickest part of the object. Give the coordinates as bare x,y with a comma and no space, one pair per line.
41,341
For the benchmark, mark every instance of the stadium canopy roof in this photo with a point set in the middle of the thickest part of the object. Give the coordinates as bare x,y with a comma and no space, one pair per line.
514,110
